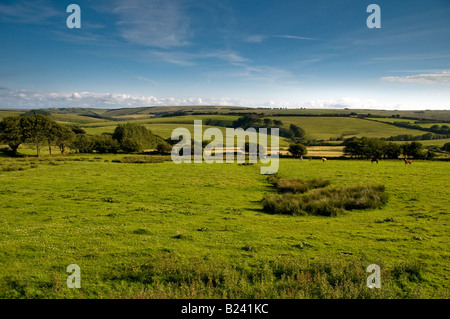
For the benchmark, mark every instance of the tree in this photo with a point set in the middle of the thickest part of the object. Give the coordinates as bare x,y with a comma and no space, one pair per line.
11,132
413,149
298,150
83,143
372,147
446,147
297,131
63,137
249,120
277,123
133,137
392,150
353,147
268,122
77,129
35,130
50,133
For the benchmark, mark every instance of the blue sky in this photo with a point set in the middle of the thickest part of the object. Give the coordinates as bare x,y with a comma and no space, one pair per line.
285,53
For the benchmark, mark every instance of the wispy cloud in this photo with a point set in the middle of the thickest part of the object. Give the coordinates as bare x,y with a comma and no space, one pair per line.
144,79
414,57
442,77
259,38
153,23
189,58
254,38
286,36
35,12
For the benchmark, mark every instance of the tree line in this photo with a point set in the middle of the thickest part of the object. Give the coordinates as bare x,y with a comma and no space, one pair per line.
40,130
437,129
374,147
294,132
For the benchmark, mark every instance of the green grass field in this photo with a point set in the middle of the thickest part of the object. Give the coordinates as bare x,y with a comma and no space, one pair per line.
198,231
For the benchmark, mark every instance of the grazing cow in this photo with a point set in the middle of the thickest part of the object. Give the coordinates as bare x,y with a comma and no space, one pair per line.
324,159
373,159
408,161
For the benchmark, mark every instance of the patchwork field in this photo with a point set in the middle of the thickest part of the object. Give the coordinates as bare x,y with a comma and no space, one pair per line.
198,231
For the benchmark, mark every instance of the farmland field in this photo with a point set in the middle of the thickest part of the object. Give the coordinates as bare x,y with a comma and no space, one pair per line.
198,231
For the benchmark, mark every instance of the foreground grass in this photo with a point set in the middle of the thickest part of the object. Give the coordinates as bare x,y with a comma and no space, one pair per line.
161,230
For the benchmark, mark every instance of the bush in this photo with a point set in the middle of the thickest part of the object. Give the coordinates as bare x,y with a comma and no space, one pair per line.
163,147
105,144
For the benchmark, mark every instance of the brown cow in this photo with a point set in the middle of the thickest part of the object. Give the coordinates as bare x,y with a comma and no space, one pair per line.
408,161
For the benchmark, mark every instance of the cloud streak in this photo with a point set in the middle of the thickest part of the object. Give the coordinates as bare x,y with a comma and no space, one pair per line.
442,77
286,36
36,12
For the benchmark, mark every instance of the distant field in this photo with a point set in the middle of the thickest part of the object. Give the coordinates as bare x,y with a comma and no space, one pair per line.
393,120
74,119
427,114
332,127
324,151
320,128
6,113
437,142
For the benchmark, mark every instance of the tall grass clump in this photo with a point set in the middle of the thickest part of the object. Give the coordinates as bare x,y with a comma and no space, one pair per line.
294,185
327,202
143,159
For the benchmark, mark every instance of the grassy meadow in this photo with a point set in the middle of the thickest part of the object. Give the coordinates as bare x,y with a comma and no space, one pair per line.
168,230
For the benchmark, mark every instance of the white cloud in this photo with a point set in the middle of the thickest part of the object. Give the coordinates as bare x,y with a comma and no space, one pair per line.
442,77
41,99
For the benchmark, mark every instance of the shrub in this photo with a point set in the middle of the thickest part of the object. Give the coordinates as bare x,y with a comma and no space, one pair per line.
164,147
105,144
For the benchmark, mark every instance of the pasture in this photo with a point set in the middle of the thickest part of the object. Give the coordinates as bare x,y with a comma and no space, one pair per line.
164,230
